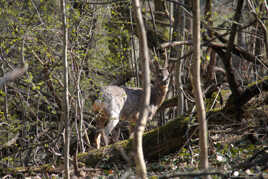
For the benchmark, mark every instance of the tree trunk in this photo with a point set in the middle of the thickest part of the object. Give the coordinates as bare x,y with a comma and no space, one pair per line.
66,99
177,52
210,52
201,113
227,61
144,54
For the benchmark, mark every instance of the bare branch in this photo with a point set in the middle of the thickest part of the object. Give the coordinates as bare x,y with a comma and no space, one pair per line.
176,43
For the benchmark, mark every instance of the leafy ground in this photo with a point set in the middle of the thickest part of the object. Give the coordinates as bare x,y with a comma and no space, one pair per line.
237,149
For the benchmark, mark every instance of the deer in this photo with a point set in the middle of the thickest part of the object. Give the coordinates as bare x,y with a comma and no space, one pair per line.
117,103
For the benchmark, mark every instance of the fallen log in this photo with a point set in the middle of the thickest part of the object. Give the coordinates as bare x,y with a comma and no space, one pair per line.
158,142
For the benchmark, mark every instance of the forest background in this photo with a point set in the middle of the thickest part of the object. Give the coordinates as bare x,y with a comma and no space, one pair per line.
103,50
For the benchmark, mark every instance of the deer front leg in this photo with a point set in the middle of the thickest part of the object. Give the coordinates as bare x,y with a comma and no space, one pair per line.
111,125
103,132
100,122
98,140
131,129
109,128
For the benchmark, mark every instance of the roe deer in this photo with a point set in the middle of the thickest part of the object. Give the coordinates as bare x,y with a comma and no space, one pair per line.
122,103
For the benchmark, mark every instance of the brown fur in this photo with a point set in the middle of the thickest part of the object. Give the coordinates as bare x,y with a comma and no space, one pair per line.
122,103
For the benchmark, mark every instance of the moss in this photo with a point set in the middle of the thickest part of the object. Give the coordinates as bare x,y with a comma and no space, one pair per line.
258,81
156,142
220,97
19,170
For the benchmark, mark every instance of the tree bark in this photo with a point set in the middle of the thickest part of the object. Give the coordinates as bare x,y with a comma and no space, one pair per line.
177,52
201,113
66,98
227,61
210,52
144,54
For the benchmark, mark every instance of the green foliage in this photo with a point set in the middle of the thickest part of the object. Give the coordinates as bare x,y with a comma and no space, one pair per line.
35,100
99,50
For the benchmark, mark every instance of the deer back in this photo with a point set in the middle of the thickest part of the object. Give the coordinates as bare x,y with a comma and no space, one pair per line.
118,102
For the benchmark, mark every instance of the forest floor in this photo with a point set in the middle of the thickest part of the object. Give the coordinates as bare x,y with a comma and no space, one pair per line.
237,149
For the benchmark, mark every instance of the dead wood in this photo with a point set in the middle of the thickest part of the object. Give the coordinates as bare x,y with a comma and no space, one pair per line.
252,91
158,142
238,51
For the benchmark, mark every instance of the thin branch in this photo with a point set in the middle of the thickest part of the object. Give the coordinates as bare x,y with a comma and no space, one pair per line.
253,11
241,53
195,174
102,3
175,43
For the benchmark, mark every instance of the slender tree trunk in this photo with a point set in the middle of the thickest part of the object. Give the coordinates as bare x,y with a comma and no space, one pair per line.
210,52
66,99
144,54
234,85
6,98
201,113
179,35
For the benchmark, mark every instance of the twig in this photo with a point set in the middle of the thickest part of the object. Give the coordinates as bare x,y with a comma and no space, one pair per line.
195,174
175,43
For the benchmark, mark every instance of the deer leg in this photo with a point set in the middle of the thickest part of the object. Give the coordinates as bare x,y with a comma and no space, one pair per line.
131,129
103,132
110,126
108,129
114,120
98,140
100,131
116,135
